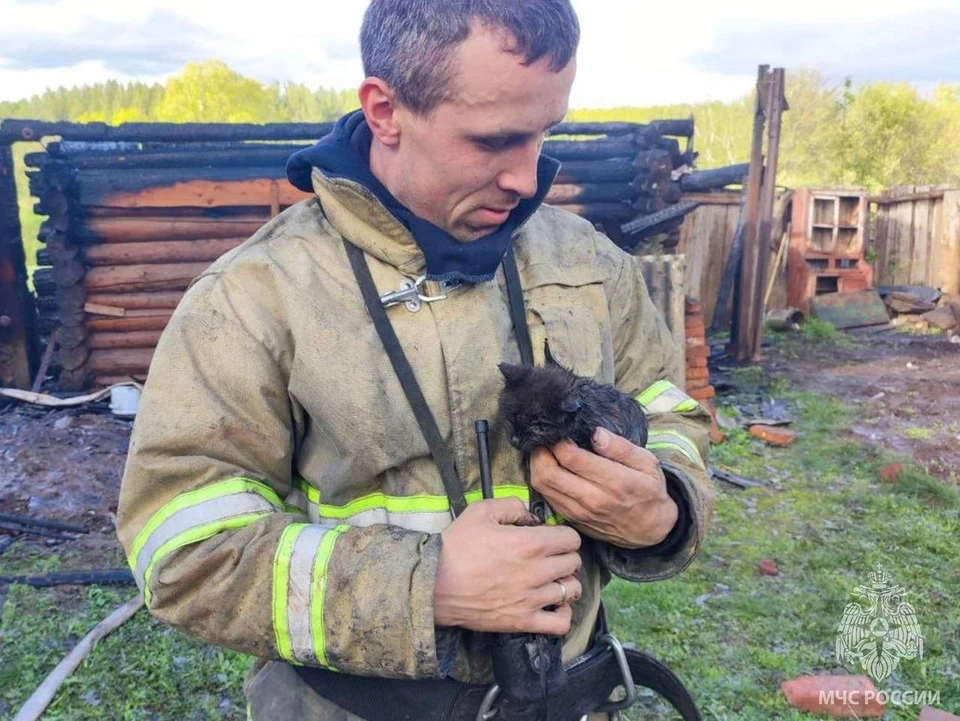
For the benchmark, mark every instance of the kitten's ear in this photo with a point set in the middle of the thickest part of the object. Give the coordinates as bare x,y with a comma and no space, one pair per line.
513,374
570,405
548,358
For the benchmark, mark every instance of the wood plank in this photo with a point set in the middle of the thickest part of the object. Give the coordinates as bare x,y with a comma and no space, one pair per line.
129,339
101,309
117,361
881,240
129,301
202,194
139,278
117,325
172,251
948,257
720,198
142,229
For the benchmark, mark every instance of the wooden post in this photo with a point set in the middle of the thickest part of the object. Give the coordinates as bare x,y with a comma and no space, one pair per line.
18,348
776,104
743,307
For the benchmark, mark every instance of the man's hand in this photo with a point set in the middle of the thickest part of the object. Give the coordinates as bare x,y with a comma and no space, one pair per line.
618,494
498,571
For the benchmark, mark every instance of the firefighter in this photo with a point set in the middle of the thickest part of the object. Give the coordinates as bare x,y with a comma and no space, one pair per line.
280,497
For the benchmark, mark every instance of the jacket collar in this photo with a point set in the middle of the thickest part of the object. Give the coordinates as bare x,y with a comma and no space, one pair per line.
367,214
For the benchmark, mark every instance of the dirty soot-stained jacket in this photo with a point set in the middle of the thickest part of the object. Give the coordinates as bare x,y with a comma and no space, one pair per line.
279,497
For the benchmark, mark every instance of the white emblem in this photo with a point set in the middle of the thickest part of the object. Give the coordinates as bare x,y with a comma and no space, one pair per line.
880,630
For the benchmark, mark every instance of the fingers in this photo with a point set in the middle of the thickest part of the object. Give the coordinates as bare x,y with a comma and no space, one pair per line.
555,622
505,511
559,591
546,570
619,449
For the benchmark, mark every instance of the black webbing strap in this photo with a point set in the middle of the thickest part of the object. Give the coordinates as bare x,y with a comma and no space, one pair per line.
401,366
518,313
518,316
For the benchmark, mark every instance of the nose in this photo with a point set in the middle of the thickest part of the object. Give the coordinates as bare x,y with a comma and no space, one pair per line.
520,174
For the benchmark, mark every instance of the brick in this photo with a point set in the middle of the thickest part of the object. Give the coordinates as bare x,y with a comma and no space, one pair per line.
696,341
768,567
812,693
716,435
929,713
698,351
702,394
694,374
696,362
891,473
773,435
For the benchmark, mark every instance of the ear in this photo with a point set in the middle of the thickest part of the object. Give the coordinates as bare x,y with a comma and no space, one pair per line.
379,106
570,405
548,358
513,374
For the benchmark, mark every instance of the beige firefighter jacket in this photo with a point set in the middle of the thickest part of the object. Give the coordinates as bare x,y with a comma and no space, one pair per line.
279,497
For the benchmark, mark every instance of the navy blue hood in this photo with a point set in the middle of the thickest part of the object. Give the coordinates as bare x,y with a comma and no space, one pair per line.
345,154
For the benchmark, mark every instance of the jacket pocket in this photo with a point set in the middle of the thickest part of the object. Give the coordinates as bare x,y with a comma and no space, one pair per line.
573,322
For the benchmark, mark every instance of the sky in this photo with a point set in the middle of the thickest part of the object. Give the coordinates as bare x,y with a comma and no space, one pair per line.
641,52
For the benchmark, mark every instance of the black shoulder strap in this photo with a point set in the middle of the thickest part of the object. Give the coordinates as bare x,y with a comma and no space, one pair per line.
518,316
518,313
428,425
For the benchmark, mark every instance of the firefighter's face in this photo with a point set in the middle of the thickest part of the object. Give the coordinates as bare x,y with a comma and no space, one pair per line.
473,158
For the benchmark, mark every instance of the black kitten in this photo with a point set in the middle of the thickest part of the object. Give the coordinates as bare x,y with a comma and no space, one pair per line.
541,406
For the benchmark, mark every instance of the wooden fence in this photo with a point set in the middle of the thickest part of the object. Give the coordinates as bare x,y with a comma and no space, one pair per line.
916,237
706,238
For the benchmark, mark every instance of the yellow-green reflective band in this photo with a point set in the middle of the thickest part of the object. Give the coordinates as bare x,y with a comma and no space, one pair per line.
670,440
664,397
281,574
192,498
421,512
653,392
319,590
417,503
299,583
195,535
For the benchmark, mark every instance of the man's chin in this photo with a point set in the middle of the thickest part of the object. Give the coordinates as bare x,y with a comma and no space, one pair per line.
468,234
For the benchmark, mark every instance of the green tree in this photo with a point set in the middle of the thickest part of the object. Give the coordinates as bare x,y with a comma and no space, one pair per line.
211,92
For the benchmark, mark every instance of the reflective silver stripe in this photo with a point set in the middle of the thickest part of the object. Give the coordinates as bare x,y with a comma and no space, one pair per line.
671,440
300,586
221,508
421,521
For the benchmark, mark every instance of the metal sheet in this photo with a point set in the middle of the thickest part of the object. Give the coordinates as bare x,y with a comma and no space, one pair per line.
850,310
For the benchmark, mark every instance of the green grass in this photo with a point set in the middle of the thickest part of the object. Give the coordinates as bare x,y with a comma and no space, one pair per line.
732,634
917,433
143,670
816,330
827,521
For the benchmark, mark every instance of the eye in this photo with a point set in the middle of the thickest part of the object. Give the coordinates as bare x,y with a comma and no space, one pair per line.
493,144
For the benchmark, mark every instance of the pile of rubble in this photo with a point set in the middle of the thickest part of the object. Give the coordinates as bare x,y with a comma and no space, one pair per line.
922,308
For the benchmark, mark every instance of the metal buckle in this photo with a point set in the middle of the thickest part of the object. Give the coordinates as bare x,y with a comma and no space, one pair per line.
410,294
628,685
487,711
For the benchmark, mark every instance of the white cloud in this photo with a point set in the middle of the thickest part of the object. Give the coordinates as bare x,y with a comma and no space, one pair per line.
632,52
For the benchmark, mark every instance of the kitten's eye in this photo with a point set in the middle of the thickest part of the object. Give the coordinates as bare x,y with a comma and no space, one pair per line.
570,405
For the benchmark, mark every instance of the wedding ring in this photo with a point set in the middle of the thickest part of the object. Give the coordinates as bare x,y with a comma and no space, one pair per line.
563,592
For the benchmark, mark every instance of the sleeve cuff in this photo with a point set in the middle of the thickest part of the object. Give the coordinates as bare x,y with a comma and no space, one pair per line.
677,538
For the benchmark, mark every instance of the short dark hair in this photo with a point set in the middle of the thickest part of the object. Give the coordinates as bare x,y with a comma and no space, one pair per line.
409,44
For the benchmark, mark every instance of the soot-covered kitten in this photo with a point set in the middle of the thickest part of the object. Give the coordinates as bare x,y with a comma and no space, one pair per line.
541,406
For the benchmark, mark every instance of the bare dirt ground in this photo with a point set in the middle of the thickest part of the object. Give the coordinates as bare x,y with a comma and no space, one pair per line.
907,388
66,465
